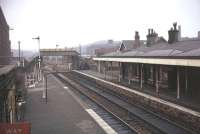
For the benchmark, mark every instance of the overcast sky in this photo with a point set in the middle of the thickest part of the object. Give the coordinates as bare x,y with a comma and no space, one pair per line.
73,22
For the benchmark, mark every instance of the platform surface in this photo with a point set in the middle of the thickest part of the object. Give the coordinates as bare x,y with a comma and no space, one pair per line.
61,115
181,104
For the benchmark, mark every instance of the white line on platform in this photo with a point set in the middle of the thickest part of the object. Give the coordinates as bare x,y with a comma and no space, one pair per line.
92,113
35,89
71,93
101,122
65,87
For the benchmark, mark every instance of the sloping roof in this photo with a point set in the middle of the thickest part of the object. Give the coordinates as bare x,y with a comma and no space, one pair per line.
129,44
3,21
189,48
122,47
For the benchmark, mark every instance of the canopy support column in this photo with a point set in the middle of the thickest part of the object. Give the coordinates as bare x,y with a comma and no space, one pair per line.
157,84
141,75
178,83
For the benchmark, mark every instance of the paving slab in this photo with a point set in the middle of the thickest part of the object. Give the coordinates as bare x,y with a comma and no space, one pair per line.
62,114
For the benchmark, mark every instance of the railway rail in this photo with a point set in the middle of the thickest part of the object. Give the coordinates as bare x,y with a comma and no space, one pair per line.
118,126
139,120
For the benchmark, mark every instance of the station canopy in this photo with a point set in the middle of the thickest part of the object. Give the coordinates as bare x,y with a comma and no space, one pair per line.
183,53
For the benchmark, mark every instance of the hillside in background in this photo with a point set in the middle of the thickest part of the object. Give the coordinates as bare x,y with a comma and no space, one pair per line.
90,48
28,54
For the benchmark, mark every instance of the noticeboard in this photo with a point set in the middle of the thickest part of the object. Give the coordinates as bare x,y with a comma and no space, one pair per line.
15,128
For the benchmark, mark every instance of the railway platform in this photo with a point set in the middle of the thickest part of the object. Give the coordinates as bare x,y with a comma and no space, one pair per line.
174,111
149,90
61,114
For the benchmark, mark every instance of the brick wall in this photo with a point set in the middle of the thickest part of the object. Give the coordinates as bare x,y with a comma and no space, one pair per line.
5,50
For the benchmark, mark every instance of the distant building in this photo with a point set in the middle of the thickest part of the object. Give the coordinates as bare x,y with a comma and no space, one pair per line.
102,51
60,59
5,50
102,47
122,46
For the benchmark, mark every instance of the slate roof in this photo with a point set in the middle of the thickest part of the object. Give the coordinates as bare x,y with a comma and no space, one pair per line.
129,44
190,48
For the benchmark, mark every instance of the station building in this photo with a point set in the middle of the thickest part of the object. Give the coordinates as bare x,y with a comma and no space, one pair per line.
171,67
5,50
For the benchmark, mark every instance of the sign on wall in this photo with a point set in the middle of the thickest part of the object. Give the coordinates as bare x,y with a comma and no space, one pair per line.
15,128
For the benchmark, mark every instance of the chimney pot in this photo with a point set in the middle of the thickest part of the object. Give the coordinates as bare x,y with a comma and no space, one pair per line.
137,37
173,34
151,37
175,24
149,30
137,40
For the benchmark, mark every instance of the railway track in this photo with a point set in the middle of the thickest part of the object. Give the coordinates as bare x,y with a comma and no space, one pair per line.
114,122
135,118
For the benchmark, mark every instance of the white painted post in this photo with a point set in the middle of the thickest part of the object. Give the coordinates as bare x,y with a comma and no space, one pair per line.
104,69
43,93
111,70
141,75
99,66
157,86
11,117
129,73
186,80
119,71
138,70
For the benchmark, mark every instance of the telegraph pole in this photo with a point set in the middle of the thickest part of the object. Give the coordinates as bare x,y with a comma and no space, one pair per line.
39,59
56,55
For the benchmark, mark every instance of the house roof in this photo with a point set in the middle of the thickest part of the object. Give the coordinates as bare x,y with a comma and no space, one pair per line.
129,44
189,48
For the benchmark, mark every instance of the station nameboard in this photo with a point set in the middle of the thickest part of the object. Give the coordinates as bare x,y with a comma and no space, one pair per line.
15,128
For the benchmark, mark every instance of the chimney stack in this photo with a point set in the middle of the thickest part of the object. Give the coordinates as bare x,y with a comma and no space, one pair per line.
173,34
151,37
152,31
137,40
137,37
149,30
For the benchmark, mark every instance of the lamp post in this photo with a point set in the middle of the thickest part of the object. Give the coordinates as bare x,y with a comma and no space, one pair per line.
39,60
45,90
56,57
19,60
